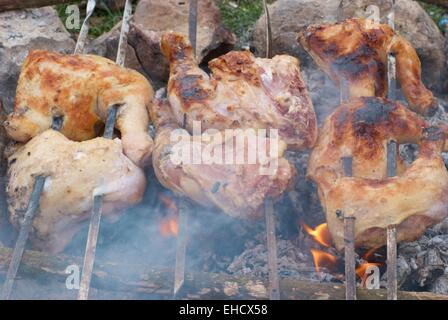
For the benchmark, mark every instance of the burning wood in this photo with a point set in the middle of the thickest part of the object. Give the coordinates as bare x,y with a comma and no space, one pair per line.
157,283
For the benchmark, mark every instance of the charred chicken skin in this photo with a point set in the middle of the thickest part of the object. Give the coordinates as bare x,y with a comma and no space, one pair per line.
413,200
81,89
241,92
239,190
75,173
355,51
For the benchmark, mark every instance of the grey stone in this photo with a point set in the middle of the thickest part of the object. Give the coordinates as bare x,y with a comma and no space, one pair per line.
152,18
440,286
22,31
107,46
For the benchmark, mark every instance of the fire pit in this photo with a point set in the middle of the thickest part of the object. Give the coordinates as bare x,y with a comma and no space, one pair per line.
173,244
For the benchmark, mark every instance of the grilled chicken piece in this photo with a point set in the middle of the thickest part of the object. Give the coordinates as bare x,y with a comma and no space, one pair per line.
355,52
76,172
81,88
242,92
237,189
413,200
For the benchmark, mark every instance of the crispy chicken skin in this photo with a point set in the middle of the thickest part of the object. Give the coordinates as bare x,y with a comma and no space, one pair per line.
81,88
76,172
241,92
237,189
413,200
356,51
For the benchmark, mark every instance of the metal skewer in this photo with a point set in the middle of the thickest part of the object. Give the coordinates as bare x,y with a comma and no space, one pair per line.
274,286
349,241
391,230
181,242
268,30
85,28
181,248
349,247
25,226
25,229
391,172
269,212
95,220
392,286
391,61
123,42
193,24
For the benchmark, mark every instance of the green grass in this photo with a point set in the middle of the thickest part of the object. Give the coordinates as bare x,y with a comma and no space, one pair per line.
435,12
240,16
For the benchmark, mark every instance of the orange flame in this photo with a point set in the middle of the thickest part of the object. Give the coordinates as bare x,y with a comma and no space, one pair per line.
169,227
323,260
321,234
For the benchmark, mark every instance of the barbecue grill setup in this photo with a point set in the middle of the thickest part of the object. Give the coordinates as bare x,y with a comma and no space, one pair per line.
230,215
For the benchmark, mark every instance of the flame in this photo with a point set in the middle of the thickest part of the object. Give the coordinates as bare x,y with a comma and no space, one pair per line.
323,260
169,227
321,234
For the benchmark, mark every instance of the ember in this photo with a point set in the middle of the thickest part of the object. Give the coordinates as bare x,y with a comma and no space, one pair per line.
169,227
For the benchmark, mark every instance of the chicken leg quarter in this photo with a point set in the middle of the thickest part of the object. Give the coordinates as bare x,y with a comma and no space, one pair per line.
81,88
242,92
356,51
75,172
239,190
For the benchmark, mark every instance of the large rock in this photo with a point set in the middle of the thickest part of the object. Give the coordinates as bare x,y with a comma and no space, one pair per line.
22,31
288,17
107,46
154,17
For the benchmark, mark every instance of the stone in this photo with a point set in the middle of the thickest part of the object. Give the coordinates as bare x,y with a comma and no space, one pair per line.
288,17
154,17
440,285
106,45
22,31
